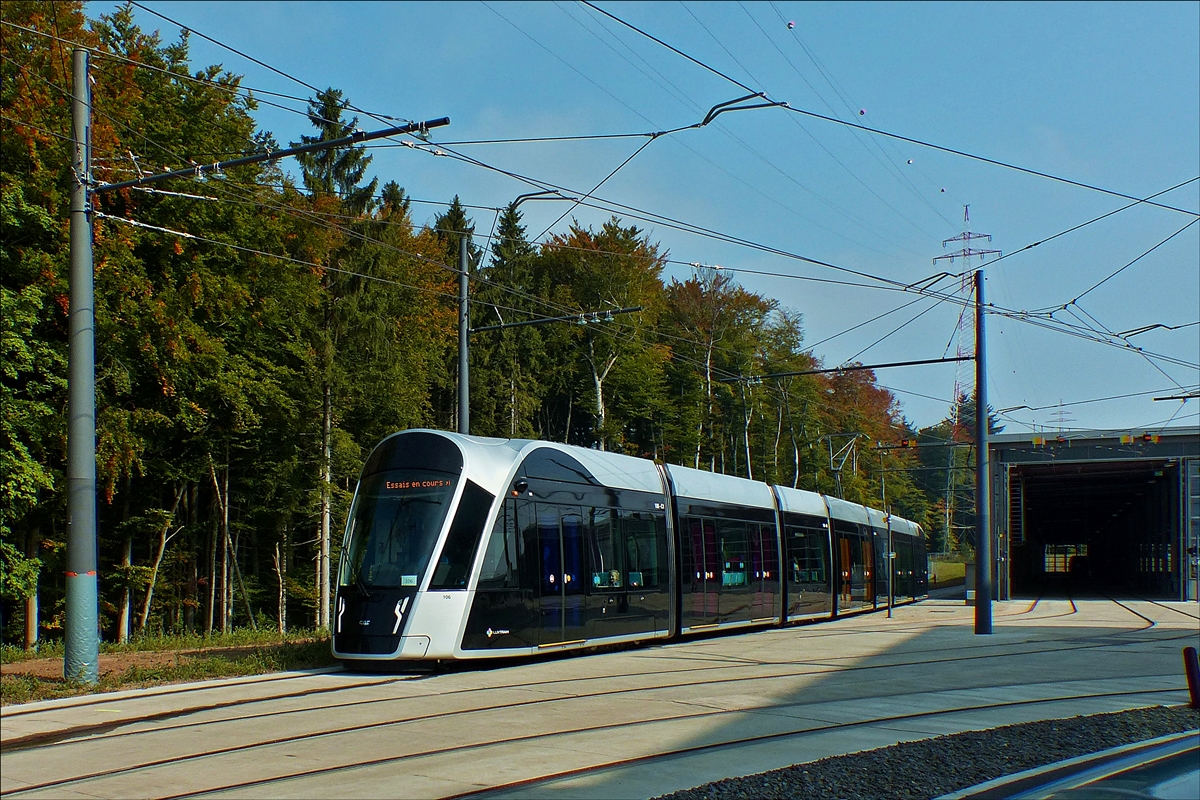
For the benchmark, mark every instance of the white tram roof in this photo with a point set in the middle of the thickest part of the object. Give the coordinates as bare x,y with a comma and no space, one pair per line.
801,501
847,511
610,469
700,485
491,462
877,518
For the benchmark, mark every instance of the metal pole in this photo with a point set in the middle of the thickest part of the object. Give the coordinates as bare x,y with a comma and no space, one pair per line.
983,516
464,340
82,633
891,567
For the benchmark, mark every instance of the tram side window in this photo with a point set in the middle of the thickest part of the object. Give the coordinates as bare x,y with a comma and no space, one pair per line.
732,534
453,568
808,552
527,532
501,561
606,549
642,532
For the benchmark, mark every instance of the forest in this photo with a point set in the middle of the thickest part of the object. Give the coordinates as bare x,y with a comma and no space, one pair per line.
257,334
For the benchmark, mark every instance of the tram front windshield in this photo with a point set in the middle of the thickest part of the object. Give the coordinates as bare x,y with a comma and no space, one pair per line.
394,525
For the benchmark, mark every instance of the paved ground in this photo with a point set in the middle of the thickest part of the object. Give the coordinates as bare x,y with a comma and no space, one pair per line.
691,712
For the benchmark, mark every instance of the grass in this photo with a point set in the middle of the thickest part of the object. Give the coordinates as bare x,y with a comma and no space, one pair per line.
240,637
259,659
946,573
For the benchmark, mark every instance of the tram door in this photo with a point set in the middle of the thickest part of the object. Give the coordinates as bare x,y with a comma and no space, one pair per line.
766,575
701,580
856,567
733,567
561,551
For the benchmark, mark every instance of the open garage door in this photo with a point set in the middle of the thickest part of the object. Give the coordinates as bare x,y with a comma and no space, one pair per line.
1089,529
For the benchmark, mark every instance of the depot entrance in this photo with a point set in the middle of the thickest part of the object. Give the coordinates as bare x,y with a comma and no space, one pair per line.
1097,514
1097,529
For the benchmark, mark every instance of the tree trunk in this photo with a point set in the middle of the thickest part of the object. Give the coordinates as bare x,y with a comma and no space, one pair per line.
232,558
222,535
599,375
212,581
326,508
229,566
708,393
237,572
778,436
192,599
570,407
598,384
281,617
747,412
125,609
163,538
32,546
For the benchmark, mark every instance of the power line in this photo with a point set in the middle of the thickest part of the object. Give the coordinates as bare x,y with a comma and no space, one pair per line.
592,191
276,256
888,167
833,84
697,62
106,54
852,368
890,284
729,134
878,132
1086,402
583,137
696,229
191,173
36,128
1117,272
730,239
1103,216
683,99
897,329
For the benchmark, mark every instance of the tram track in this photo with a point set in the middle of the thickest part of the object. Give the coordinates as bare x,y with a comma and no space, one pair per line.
736,693
812,668
463,713
1170,608
545,737
500,789
692,715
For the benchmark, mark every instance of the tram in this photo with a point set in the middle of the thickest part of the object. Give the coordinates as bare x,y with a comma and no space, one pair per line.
464,547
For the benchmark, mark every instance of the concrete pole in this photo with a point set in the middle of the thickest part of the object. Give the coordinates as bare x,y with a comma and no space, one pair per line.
983,516
81,660
464,340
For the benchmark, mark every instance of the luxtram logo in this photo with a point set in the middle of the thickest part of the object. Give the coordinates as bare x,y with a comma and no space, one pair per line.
497,632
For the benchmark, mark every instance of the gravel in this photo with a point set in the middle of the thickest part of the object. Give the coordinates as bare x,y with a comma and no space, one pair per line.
933,767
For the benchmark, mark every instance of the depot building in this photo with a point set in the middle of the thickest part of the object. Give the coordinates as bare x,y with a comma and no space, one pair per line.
1096,514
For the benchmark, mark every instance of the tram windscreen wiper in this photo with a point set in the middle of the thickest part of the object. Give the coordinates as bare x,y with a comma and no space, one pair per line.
362,587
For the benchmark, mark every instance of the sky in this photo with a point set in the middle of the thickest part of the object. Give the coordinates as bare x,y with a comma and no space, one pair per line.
1103,94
